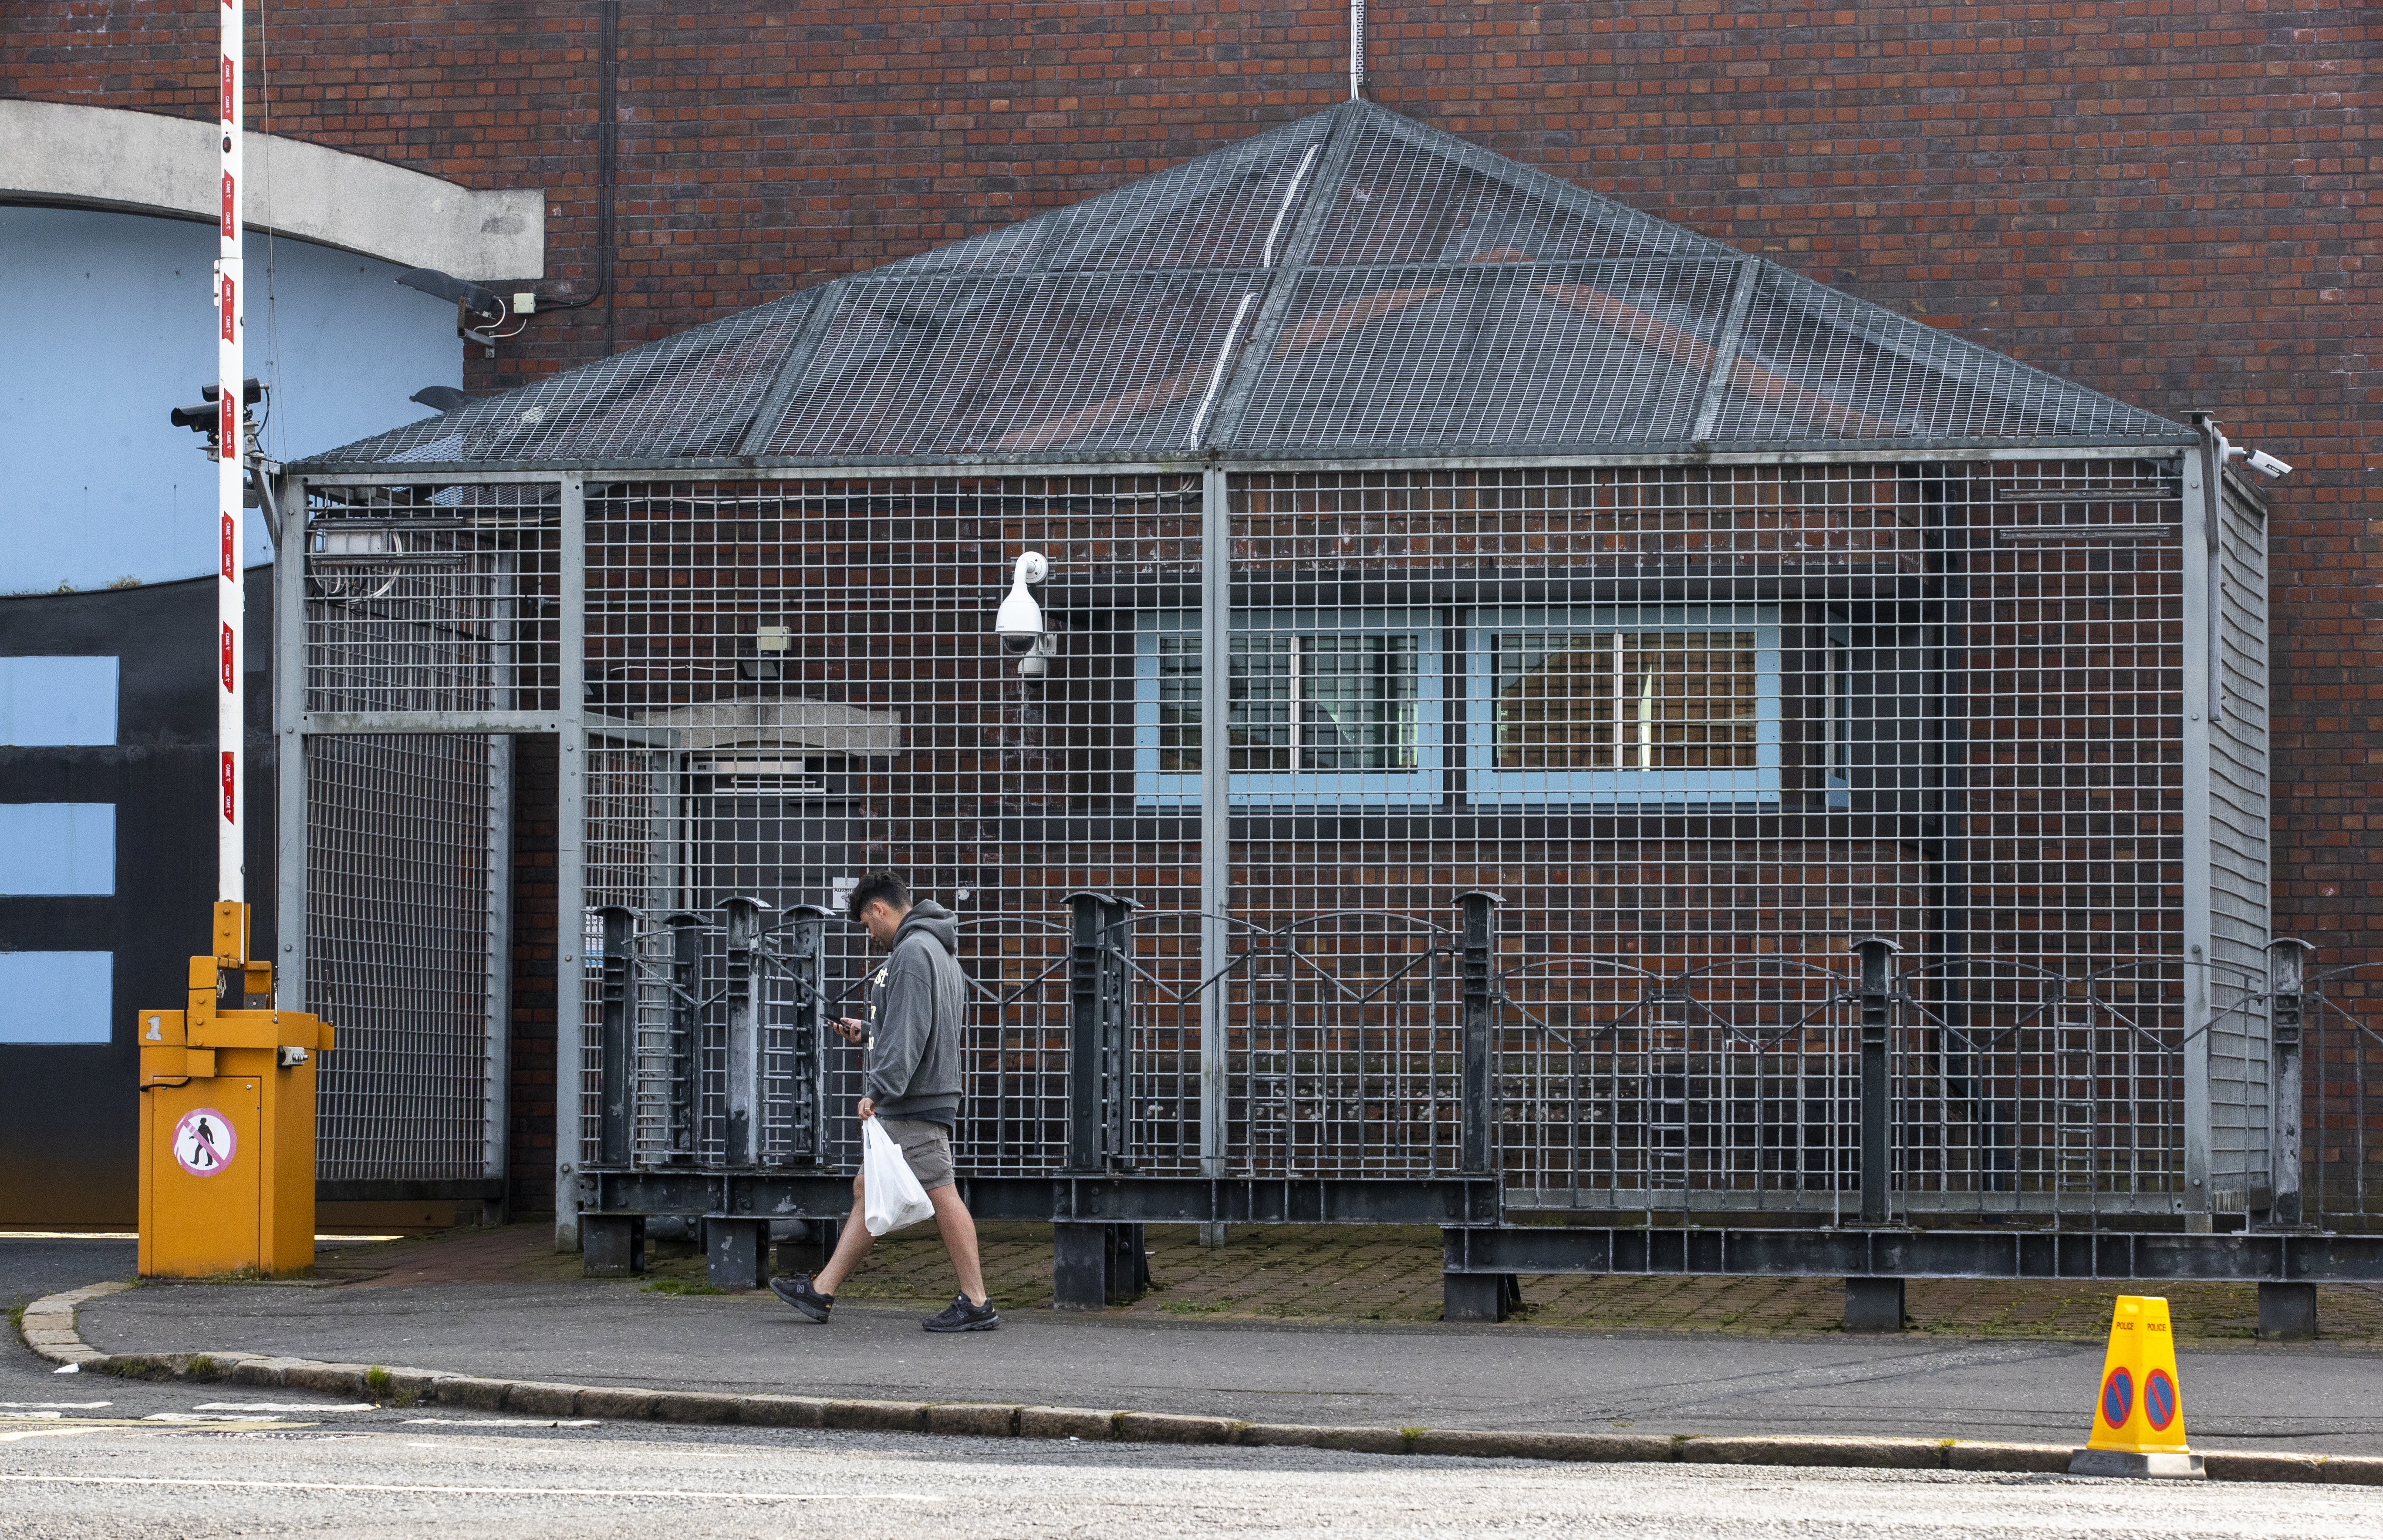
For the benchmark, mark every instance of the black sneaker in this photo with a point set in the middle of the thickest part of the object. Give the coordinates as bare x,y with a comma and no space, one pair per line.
961,1316
797,1291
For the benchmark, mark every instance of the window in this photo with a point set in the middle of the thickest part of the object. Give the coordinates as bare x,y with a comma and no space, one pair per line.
1323,708
1672,704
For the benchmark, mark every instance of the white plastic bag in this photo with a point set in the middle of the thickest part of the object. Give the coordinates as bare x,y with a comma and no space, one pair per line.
895,1199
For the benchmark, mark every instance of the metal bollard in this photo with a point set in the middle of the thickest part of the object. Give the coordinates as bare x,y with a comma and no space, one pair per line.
744,1130
806,962
1100,1080
2287,973
686,992
616,1039
1478,932
1877,1089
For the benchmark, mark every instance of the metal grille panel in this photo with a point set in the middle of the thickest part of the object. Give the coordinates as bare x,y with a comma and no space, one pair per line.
405,936
1749,717
1020,365
1393,361
687,397
423,600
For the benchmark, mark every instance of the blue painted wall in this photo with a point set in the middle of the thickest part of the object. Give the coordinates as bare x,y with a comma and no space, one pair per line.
108,334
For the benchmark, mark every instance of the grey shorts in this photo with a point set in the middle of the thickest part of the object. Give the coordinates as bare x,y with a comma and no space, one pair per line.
927,1146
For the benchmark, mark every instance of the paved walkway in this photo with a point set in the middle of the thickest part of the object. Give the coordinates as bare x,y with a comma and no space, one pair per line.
1351,1275
536,1321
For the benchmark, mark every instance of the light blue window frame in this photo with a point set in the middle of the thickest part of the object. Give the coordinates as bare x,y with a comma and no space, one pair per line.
1485,784
1425,785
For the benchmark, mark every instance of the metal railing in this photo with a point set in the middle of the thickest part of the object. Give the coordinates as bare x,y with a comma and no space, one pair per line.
1376,1044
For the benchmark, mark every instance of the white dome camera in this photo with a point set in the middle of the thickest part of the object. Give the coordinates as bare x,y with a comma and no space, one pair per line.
1020,625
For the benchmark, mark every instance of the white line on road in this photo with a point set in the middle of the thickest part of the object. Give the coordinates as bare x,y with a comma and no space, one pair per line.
55,1406
15,1433
224,1485
279,1406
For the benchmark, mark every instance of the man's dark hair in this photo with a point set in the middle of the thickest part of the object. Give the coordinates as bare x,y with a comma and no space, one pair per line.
873,887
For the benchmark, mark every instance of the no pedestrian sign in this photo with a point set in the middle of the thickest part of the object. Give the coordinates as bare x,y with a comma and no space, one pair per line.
204,1141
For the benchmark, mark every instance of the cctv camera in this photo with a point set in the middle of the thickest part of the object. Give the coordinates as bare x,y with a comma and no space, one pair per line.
2267,465
1019,622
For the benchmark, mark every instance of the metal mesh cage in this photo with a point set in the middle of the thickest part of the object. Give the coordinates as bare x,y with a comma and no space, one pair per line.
1028,365
688,397
1350,284
1818,365
1225,209
1411,360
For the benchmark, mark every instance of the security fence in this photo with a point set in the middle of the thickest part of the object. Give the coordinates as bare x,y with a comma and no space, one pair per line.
1699,728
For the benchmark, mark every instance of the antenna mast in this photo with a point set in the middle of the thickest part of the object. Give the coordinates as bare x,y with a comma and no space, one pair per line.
231,459
1356,49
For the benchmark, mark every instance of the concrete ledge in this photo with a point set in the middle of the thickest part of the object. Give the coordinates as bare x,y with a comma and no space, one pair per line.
1067,1422
971,1420
1296,1436
998,1420
616,1404
1162,1427
470,1391
533,1399
773,1411
149,162
877,1416
2011,1459
1865,1454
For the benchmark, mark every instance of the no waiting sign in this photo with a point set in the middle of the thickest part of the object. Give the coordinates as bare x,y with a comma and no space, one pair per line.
204,1141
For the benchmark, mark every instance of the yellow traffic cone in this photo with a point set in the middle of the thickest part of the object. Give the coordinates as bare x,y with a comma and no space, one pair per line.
2139,1417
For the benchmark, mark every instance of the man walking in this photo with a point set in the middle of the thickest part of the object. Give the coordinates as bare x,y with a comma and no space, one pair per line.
911,1036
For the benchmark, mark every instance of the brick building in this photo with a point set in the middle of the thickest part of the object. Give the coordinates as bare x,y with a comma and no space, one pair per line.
2166,203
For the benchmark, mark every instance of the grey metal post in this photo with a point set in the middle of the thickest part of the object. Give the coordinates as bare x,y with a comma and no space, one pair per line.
1479,943
1099,1076
570,862
497,1059
2287,974
687,985
743,1131
2203,474
806,961
1877,1087
288,719
615,1040
1215,812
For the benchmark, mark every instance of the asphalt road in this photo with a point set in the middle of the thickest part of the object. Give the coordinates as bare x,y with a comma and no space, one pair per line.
89,1455
2315,1398
374,1477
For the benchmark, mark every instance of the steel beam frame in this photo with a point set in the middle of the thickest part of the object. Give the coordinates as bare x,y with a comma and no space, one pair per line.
1867,453
2242,1256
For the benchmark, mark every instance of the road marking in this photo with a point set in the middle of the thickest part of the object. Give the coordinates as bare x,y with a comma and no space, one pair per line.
30,1416
15,1433
504,1422
225,1484
55,1406
279,1406
218,1419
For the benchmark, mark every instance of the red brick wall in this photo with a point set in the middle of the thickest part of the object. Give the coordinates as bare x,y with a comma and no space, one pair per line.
2168,200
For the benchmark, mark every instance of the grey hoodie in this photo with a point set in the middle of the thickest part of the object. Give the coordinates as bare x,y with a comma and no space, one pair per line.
916,1001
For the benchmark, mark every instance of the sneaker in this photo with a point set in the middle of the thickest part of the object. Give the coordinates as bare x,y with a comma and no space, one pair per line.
961,1316
797,1291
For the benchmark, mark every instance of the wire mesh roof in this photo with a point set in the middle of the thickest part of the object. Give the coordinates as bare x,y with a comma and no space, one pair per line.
1349,285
